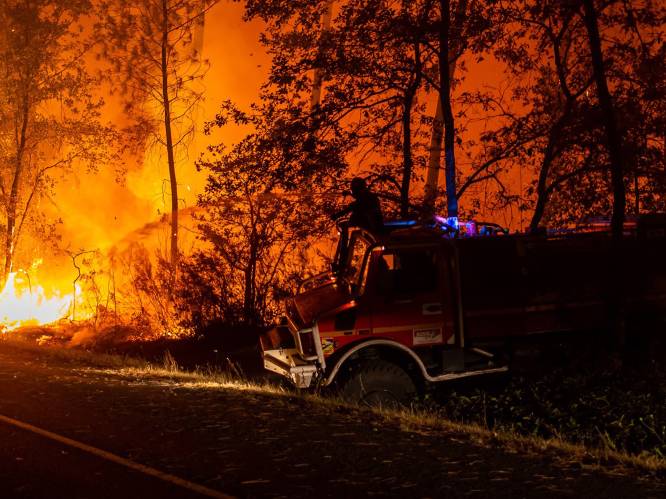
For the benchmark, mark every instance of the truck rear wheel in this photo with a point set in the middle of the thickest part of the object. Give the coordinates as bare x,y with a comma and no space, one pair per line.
377,383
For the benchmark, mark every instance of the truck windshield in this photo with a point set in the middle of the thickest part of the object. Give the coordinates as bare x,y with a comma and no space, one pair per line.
354,268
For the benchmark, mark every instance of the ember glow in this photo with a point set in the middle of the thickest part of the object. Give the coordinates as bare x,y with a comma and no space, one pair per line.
23,302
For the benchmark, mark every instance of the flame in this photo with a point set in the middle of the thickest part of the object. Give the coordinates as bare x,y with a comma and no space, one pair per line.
25,303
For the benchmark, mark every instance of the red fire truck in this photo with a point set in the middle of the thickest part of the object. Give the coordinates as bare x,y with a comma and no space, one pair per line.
442,300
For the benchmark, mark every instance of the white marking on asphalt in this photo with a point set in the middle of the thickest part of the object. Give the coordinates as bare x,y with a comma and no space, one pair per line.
146,470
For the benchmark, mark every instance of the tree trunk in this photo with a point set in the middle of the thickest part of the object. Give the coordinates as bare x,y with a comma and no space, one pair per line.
408,160
435,150
548,157
12,206
166,103
445,97
613,137
434,159
249,298
408,104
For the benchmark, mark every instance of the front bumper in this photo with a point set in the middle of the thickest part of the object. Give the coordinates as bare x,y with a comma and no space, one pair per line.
288,363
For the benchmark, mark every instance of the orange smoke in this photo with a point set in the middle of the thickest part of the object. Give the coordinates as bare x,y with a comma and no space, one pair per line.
97,212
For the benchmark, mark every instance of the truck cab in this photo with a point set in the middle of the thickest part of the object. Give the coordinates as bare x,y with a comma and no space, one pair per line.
391,299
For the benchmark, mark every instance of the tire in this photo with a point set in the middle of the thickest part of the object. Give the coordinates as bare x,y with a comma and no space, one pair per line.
377,383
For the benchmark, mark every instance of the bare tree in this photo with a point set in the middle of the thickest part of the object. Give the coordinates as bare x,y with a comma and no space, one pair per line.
153,46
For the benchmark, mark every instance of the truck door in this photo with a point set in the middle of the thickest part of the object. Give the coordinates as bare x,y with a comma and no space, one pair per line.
410,299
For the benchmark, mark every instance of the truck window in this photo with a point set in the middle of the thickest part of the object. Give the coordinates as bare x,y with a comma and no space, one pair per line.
407,272
354,269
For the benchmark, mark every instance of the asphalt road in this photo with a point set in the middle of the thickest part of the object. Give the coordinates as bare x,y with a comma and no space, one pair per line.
249,444
32,466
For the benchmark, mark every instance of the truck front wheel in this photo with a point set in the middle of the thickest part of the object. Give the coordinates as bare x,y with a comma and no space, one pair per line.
377,383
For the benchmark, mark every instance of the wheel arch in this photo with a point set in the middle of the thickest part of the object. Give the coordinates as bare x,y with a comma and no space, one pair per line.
385,349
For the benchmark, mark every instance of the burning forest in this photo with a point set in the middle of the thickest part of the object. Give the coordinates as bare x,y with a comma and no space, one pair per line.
130,134
386,201
115,144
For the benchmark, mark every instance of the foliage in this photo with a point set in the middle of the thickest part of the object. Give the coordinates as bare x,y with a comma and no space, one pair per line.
263,206
583,405
378,62
545,122
132,37
50,118
267,195
241,278
534,143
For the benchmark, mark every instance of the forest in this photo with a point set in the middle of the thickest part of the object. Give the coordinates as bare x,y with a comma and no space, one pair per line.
525,113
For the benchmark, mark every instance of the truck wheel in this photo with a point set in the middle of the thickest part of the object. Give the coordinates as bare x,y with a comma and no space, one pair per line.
377,383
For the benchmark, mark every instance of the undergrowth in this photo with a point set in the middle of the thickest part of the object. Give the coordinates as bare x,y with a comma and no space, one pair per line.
612,409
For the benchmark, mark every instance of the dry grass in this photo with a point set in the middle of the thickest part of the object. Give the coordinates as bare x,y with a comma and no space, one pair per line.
418,421
168,371
426,423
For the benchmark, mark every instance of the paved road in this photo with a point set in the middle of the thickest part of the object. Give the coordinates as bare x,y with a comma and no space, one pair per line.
32,466
249,444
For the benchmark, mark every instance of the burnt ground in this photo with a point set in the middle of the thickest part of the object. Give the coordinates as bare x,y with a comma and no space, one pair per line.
253,444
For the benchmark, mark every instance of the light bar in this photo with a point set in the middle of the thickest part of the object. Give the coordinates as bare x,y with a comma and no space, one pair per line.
400,223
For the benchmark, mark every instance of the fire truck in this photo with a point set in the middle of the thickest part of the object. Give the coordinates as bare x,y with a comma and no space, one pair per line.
428,302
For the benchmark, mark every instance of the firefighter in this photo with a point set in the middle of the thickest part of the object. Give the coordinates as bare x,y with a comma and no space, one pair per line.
365,211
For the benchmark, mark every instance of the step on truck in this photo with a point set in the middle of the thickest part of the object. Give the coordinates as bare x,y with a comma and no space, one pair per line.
428,302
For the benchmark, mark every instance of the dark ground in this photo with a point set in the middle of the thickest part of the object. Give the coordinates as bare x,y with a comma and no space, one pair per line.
32,466
251,444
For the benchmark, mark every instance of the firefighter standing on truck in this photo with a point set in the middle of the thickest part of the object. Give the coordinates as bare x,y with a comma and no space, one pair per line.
365,211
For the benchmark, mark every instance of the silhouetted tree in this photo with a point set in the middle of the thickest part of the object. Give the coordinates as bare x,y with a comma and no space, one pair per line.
49,118
547,120
613,135
449,50
265,200
370,61
153,49
381,62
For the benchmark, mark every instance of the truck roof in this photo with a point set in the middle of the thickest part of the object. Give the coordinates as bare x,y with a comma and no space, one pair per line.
439,228
436,229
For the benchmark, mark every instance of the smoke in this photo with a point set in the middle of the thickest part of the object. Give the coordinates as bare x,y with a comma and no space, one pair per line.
98,212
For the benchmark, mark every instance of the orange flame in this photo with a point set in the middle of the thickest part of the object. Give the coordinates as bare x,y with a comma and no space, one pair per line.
25,303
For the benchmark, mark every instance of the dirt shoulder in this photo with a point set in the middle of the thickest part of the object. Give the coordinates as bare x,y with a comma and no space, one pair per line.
251,443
